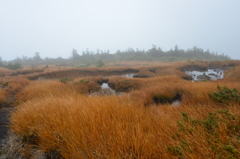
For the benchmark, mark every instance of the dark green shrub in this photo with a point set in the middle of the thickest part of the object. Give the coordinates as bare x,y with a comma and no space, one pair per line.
83,81
100,63
225,95
211,127
13,66
65,80
5,84
175,150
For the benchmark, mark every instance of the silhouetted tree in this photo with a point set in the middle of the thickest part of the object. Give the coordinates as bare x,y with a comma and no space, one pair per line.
75,55
14,66
101,57
100,63
1,62
37,57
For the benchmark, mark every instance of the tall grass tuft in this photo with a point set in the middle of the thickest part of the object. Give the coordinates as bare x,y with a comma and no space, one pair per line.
92,127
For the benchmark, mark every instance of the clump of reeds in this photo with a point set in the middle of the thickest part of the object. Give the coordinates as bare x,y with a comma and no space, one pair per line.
92,127
116,127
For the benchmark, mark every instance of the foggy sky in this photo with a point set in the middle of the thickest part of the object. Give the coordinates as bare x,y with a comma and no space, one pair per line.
54,27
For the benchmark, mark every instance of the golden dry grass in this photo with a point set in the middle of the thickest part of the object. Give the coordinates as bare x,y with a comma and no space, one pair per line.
40,89
93,127
10,86
233,74
57,117
5,72
110,127
16,85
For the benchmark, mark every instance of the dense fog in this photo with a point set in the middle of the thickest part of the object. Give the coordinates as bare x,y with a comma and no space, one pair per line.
53,28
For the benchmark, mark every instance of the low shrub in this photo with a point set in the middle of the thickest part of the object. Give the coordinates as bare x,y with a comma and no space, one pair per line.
65,80
82,81
226,95
219,133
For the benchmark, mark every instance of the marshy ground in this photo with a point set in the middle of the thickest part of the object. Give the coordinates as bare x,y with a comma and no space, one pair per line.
68,113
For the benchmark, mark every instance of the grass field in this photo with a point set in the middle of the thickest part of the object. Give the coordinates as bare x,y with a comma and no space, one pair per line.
60,116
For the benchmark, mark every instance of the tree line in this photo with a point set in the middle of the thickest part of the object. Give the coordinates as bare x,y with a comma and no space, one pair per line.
100,57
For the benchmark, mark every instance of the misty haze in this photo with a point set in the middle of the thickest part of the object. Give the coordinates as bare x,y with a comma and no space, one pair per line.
54,28
119,79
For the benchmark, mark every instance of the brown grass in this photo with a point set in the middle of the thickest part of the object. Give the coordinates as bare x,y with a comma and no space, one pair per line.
84,85
124,84
26,71
16,85
40,89
233,74
80,72
110,127
92,127
5,72
57,117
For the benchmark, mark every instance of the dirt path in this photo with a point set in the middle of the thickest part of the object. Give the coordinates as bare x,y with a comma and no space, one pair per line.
4,125
4,121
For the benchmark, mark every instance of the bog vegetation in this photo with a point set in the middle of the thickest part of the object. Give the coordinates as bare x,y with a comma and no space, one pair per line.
62,113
